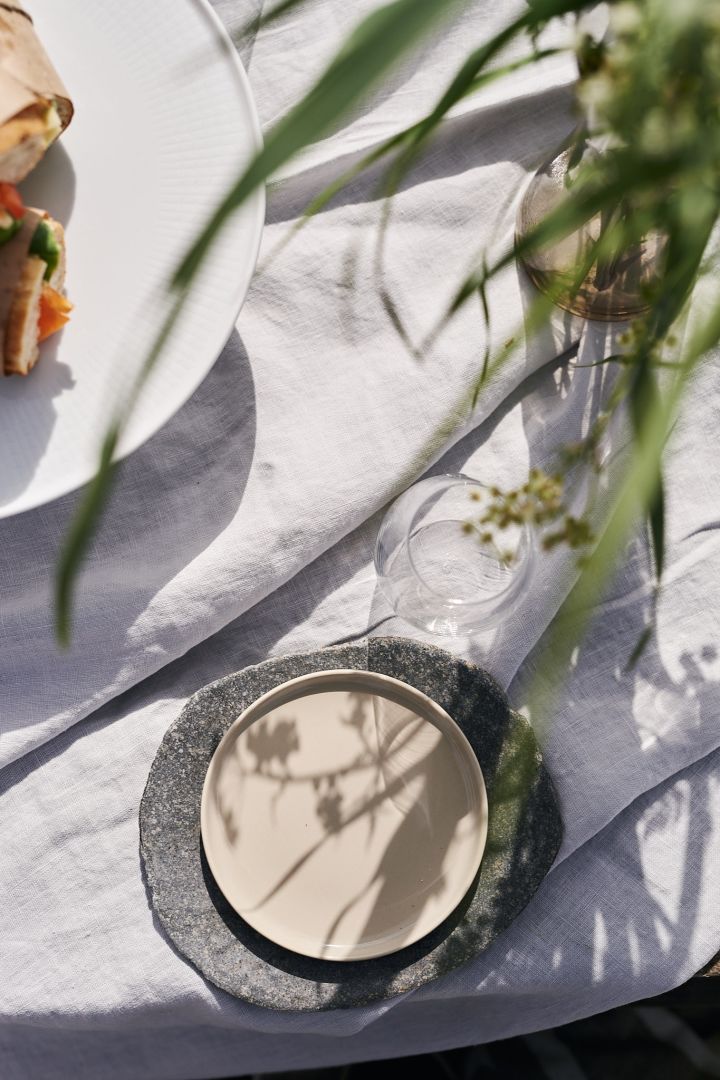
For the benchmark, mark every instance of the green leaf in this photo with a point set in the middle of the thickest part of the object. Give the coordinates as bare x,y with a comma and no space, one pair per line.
321,200
82,529
277,12
96,495
379,41
384,149
469,78
413,140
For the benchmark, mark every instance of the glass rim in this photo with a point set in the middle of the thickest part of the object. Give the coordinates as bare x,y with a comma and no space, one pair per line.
525,551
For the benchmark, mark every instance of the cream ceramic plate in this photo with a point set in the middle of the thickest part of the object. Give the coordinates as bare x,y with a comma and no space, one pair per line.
164,120
344,815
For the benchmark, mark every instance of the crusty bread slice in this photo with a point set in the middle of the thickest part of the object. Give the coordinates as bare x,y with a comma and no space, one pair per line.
21,334
21,331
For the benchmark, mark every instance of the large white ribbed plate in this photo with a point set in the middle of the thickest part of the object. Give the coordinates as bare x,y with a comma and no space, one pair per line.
164,120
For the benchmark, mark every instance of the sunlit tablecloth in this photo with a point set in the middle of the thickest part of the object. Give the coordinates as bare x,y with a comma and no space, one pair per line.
244,529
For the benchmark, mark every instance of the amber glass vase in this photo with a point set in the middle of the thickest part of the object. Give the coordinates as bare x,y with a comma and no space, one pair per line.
614,289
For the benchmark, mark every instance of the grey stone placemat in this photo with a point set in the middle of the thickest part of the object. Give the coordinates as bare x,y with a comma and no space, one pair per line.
524,834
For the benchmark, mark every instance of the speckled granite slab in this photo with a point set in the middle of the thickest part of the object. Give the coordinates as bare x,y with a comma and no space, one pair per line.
524,834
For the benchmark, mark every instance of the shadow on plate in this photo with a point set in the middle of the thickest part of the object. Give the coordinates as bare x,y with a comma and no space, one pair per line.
51,186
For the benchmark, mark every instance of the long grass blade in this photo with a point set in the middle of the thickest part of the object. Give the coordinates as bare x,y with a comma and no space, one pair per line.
379,42
413,141
386,148
82,529
97,494
371,50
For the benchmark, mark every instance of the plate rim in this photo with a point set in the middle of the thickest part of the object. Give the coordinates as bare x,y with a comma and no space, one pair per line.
400,692
25,503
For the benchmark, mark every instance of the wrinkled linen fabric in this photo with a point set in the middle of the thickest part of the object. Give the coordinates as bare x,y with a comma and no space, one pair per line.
245,528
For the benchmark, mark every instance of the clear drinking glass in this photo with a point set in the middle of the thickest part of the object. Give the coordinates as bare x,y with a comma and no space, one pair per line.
441,567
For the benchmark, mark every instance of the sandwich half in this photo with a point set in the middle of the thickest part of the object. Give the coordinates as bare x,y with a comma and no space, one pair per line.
32,277
34,104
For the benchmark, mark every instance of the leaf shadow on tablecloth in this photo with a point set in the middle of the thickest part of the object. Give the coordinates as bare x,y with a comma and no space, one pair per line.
644,747
616,739
622,944
628,943
616,918
255,635
627,913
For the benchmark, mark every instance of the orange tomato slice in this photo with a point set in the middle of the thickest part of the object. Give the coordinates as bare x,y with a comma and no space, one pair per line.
11,201
54,312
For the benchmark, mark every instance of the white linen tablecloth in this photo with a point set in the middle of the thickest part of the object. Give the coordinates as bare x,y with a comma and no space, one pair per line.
244,529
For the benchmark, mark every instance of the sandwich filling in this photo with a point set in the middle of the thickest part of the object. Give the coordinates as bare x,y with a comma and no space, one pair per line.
25,138
32,273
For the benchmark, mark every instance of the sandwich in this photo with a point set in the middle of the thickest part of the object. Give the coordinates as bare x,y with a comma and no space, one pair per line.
34,105
32,276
